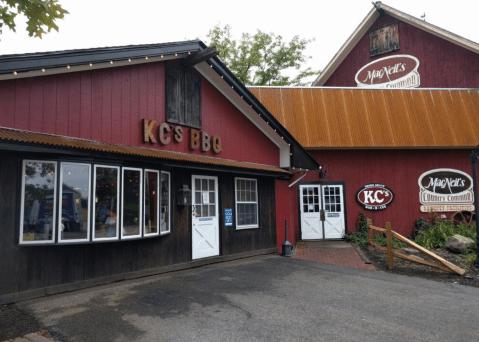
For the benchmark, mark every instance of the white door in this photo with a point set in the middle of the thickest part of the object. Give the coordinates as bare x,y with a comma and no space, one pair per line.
311,225
334,227
206,232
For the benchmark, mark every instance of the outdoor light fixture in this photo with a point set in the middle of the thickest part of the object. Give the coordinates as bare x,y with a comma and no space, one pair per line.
474,182
322,174
183,195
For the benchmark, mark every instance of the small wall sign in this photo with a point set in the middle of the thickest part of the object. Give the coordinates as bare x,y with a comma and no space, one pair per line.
374,197
398,71
228,217
445,190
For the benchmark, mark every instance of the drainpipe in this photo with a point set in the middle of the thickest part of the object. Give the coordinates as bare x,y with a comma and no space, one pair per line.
297,180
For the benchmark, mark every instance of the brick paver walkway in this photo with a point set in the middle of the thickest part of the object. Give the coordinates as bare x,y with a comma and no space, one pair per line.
330,252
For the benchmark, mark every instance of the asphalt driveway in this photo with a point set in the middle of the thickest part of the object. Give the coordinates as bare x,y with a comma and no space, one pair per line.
266,298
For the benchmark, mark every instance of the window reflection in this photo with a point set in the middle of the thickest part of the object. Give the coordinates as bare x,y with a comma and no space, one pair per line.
131,202
75,199
151,202
39,201
106,202
165,202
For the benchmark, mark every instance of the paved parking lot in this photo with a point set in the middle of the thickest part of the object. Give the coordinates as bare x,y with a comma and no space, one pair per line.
266,298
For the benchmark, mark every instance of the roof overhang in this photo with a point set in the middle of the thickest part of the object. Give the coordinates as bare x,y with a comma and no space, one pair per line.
366,24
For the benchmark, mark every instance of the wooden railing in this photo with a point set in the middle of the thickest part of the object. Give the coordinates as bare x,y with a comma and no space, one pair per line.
391,253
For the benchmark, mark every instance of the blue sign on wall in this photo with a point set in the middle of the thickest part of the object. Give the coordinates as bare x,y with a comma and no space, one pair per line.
228,217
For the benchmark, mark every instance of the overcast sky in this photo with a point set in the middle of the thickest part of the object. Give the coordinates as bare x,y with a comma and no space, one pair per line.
99,23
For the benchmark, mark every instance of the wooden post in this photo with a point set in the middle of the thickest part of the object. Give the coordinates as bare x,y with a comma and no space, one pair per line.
370,231
389,236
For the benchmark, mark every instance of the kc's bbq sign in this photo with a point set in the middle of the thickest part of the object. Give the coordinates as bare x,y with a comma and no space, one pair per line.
374,196
399,71
445,190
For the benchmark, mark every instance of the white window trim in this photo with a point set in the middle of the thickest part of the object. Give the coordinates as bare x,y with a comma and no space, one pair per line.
22,216
60,240
158,194
169,204
95,204
246,202
140,221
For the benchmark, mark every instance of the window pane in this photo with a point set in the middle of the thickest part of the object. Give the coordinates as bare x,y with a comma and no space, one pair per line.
212,197
212,210
198,211
39,201
211,185
165,203
151,202
197,197
246,211
106,201
197,184
131,202
204,210
204,184
75,201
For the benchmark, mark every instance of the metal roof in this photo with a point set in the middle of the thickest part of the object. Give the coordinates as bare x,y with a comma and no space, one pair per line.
368,21
349,118
21,136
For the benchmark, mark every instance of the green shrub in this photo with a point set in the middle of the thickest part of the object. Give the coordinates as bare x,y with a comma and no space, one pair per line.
359,237
382,240
436,237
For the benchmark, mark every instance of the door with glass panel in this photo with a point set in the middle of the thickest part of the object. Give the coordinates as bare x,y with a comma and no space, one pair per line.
334,227
205,230
322,211
311,225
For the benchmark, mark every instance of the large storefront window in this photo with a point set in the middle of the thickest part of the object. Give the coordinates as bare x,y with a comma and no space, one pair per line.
92,202
105,225
74,223
132,197
38,201
246,203
152,196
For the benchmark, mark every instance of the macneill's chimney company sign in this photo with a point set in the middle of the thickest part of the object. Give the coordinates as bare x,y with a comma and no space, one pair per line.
445,190
398,71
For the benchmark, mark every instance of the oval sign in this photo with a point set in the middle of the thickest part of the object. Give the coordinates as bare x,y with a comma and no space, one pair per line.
445,181
374,197
398,71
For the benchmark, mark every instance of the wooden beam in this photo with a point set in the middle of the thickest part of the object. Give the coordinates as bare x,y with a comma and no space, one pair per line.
421,261
199,57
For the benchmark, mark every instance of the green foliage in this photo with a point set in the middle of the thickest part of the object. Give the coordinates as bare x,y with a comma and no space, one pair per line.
359,237
41,14
436,237
262,58
382,240
470,257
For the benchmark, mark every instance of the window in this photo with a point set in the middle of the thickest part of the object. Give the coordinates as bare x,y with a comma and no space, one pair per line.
165,203
74,221
132,198
152,203
384,40
38,208
246,203
183,95
105,181
90,202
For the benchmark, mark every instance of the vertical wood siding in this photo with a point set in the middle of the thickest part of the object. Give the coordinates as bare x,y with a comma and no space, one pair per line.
108,105
442,64
399,170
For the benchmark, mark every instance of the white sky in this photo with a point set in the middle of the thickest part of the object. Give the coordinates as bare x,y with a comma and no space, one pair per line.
99,23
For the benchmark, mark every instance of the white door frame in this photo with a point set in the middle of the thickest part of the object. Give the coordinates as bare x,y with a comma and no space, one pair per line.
205,230
328,232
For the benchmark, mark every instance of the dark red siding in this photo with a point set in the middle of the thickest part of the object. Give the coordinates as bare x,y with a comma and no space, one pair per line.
399,170
109,105
441,64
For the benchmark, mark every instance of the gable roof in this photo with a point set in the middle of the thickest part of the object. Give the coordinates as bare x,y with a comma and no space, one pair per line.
369,20
357,118
292,154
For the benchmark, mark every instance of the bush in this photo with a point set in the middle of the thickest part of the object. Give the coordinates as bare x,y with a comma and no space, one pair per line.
359,237
436,237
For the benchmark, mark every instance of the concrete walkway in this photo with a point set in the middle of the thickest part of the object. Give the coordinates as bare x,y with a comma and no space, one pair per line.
330,252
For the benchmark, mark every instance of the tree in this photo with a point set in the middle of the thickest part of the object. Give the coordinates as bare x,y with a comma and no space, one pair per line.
262,58
41,14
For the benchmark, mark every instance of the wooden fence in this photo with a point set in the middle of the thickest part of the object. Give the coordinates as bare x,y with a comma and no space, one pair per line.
391,253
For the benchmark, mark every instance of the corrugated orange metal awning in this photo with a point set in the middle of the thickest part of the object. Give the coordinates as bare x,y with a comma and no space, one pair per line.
350,118
21,136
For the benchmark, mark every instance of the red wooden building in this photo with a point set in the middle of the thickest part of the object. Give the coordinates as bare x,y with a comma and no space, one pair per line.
129,161
439,58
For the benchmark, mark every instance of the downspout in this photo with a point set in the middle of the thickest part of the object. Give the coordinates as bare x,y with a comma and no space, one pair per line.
297,180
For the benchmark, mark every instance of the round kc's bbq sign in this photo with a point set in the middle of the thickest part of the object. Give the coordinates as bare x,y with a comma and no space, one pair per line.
398,71
374,196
